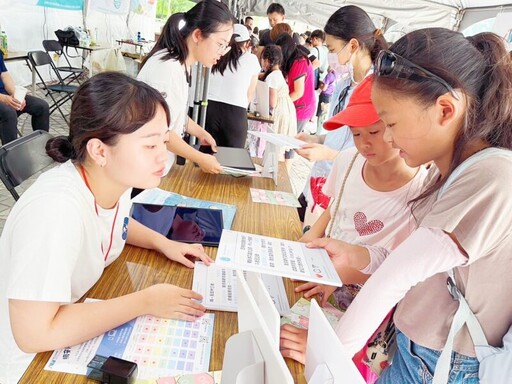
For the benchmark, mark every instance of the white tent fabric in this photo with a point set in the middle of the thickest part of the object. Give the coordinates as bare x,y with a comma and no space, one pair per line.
452,14
28,25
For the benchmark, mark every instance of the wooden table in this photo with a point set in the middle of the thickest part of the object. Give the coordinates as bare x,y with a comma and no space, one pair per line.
261,119
137,268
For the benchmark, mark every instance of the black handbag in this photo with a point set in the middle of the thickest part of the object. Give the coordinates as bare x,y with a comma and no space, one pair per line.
67,38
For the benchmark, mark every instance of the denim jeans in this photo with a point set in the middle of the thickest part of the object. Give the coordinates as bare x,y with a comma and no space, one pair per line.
414,364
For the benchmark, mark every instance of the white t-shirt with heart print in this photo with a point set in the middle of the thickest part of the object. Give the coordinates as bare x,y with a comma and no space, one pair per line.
366,216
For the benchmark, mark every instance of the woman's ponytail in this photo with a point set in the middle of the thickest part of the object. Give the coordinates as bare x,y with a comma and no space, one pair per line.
493,114
206,15
60,149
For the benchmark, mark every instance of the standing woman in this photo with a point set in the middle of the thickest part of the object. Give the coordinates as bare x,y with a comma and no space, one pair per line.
232,86
77,216
199,35
353,41
300,77
444,98
281,105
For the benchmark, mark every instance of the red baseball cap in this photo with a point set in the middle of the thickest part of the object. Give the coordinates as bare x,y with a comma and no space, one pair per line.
359,112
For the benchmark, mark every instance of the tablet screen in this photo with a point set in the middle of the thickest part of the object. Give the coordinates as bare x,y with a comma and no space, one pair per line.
189,225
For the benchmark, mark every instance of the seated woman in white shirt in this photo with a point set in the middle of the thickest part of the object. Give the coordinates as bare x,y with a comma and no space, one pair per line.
78,218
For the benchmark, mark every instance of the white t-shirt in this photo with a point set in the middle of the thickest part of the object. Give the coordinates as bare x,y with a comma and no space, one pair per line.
231,87
51,250
169,77
367,216
276,80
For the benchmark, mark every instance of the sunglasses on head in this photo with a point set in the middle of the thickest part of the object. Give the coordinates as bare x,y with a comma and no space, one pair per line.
390,64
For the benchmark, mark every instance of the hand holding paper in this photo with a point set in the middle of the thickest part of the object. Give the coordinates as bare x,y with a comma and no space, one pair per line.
273,256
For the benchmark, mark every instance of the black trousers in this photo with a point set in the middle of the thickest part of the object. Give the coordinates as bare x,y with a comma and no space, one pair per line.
36,107
227,124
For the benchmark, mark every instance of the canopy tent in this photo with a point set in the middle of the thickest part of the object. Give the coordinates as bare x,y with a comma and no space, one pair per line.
414,14
29,22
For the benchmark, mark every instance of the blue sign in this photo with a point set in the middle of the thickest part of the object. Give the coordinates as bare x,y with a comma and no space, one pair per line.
75,5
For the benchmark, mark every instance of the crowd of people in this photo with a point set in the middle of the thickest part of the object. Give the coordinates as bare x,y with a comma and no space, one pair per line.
389,198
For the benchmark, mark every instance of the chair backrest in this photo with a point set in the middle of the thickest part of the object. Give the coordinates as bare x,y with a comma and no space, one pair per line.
23,158
55,46
40,58
52,46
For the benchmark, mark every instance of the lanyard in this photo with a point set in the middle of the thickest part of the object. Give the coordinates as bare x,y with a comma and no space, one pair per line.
96,209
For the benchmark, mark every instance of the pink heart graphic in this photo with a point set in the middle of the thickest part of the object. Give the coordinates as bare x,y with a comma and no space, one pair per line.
319,276
365,227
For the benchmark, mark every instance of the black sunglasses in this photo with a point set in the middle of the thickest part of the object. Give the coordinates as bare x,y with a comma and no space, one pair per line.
390,64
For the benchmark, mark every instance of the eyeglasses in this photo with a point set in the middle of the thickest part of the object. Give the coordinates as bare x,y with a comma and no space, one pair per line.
223,48
390,64
341,49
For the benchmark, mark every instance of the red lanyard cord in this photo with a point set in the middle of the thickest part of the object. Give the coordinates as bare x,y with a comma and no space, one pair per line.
82,170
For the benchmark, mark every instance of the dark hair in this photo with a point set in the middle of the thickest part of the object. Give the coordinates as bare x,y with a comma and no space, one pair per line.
274,55
291,52
106,106
255,30
275,8
319,34
479,66
248,18
231,58
207,16
351,22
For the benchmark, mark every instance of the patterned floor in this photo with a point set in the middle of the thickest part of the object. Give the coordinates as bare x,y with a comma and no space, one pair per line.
58,126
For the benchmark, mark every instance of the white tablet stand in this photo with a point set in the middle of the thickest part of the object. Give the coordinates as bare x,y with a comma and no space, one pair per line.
252,356
327,360
271,159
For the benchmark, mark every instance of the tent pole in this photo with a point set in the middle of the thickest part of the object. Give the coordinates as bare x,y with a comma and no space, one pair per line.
204,103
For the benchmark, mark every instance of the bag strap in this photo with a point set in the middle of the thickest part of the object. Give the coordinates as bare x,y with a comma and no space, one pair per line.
331,222
464,315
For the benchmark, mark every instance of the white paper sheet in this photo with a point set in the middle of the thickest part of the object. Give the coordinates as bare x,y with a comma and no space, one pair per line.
279,139
218,287
245,251
160,347
274,197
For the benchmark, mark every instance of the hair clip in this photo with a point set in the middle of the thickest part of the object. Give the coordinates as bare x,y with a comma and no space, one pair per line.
181,24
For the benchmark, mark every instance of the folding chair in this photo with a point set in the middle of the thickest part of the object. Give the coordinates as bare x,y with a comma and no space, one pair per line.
60,89
23,158
73,73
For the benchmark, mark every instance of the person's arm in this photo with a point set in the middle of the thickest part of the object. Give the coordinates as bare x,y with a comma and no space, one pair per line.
8,83
424,253
206,162
252,88
317,230
315,152
272,97
144,237
412,262
10,87
319,139
40,326
298,87
202,135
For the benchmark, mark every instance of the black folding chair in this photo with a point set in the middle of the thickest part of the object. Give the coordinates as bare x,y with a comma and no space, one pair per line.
73,73
60,92
22,158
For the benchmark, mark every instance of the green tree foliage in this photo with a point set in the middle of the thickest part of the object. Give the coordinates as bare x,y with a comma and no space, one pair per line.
165,8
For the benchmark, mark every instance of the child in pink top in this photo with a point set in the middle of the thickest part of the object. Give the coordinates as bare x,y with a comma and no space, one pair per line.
301,79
